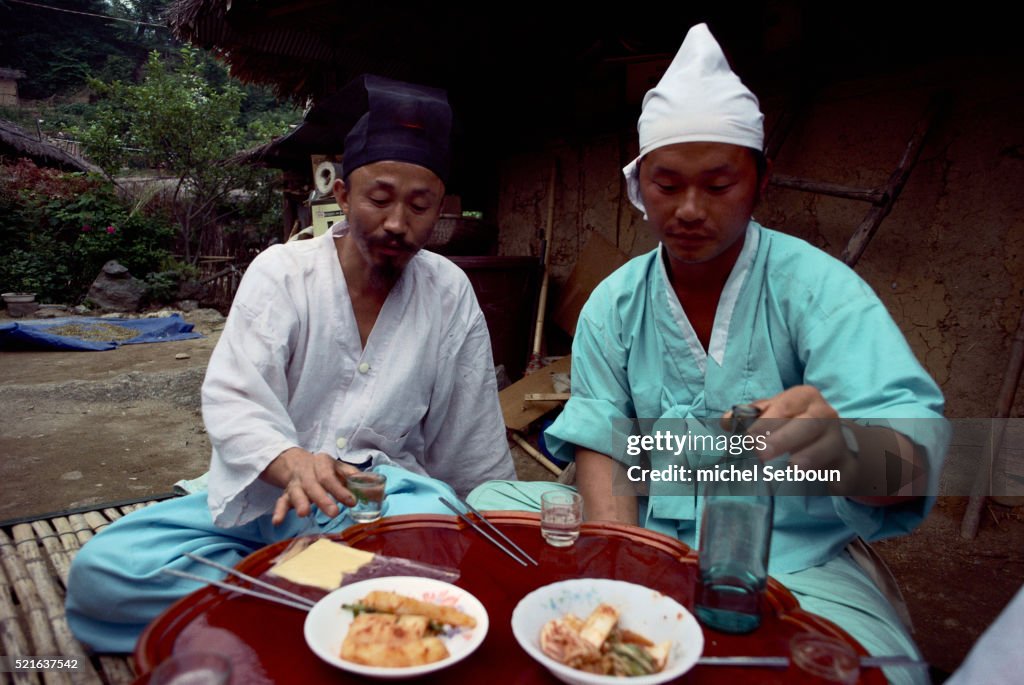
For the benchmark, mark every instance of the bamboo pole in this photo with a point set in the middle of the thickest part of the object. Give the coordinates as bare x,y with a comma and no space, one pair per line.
118,670
55,551
32,610
983,478
95,520
12,637
535,453
52,598
542,300
68,538
112,513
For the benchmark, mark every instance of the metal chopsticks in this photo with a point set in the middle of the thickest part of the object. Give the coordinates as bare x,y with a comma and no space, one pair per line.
483,532
255,581
783,661
304,606
498,531
280,595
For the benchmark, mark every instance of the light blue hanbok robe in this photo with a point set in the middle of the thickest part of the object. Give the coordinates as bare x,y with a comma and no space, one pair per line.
116,589
789,315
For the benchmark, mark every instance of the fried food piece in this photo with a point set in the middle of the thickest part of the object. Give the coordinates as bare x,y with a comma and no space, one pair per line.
394,603
391,641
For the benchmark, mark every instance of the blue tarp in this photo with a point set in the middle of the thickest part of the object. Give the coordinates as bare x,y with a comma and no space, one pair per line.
35,334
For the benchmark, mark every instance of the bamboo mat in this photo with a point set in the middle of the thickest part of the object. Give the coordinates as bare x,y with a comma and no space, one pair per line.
36,556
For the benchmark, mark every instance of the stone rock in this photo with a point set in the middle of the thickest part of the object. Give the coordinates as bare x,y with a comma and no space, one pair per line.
49,311
115,269
192,290
116,290
188,305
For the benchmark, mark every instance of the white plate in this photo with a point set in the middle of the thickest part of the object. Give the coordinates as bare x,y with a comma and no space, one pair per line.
645,611
327,623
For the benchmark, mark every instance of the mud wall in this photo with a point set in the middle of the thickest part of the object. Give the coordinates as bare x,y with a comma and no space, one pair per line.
948,261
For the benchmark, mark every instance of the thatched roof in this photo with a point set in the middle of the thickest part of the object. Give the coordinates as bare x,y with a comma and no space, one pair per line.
17,142
314,47
517,74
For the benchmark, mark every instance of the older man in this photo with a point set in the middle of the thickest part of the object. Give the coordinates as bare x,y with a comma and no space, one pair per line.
727,312
348,352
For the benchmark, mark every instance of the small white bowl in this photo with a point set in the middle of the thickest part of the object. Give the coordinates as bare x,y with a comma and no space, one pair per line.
327,623
642,610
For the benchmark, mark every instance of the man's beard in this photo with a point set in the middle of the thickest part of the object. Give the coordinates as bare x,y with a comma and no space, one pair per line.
388,270
385,275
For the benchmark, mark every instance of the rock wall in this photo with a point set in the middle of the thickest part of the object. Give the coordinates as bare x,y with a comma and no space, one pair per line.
948,261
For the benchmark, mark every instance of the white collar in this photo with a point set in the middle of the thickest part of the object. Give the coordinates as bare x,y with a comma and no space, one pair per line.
726,303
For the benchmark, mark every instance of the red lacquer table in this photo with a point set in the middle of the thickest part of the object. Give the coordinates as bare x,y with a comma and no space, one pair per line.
266,644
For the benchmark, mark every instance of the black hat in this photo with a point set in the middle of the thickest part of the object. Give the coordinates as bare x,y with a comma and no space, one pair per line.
399,121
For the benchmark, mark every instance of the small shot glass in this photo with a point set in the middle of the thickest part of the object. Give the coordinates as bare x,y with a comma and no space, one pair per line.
561,513
192,668
368,488
816,658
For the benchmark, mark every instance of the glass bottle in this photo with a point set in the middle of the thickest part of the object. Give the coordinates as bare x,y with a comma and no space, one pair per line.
735,541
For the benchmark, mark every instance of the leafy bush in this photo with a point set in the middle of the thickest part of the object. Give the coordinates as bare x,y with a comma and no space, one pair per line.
179,120
58,229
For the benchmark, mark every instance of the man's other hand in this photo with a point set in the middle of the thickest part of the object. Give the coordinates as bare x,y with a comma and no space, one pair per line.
308,479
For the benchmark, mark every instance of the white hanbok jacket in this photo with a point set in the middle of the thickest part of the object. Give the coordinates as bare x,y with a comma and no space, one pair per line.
290,370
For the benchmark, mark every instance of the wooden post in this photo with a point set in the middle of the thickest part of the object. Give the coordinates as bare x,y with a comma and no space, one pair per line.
983,478
862,236
834,189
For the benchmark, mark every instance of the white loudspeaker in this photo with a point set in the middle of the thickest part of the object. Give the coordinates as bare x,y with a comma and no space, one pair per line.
324,176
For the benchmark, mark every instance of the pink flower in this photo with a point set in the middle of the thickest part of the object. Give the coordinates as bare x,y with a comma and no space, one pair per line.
86,228
110,229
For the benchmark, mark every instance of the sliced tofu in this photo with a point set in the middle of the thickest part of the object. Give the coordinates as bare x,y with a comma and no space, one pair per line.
659,655
599,624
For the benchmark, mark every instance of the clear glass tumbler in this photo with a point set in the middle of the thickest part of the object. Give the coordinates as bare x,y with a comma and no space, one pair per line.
816,658
369,490
561,513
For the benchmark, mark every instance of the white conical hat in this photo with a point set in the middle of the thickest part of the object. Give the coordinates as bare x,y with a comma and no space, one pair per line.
699,99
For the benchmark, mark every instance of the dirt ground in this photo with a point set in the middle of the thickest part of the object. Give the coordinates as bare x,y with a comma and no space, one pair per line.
82,428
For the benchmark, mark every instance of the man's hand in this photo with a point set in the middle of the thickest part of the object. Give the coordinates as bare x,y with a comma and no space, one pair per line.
866,475
307,479
811,443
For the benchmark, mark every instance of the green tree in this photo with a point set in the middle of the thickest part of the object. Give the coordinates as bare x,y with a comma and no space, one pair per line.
60,45
176,120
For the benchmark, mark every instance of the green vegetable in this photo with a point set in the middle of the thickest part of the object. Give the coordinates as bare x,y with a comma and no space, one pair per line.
357,609
634,659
